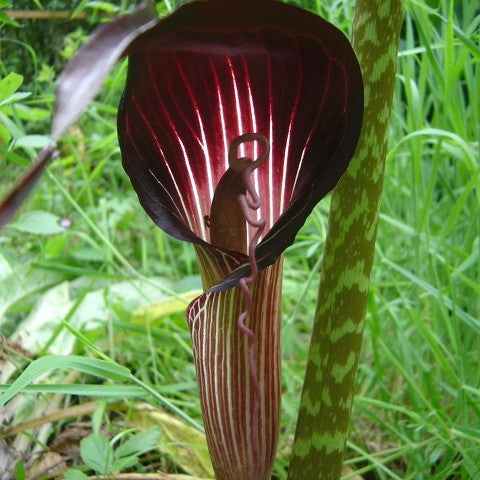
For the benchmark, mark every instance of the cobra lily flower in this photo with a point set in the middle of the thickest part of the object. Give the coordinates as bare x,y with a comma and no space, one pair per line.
238,116
216,87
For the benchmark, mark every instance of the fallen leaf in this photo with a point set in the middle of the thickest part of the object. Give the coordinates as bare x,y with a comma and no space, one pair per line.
67,442
186,446
49,462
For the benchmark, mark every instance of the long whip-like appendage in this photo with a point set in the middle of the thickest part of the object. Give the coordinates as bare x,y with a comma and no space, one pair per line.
247,204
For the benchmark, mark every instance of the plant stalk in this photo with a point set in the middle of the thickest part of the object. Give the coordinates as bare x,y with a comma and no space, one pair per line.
326,400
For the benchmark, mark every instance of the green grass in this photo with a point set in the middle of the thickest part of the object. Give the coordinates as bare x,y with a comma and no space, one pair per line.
417,410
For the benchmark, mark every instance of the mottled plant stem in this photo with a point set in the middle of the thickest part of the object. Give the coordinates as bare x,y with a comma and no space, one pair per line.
338,327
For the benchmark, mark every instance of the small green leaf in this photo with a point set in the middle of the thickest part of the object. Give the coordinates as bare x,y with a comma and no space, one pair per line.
103,6
5,135
97,453
15,97
24,112
87,254
74,474
32,141
120,464
139,443
39,222
9,85
20,470
5,19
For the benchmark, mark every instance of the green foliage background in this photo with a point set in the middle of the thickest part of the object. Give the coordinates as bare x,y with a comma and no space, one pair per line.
417,410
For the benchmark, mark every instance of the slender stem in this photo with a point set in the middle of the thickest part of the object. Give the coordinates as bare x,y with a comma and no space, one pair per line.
338,327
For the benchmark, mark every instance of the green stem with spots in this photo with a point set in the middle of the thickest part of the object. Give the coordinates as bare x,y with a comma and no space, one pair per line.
327,394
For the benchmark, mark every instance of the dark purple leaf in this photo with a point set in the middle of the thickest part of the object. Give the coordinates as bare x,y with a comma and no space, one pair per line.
82,77
78,85
11,203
